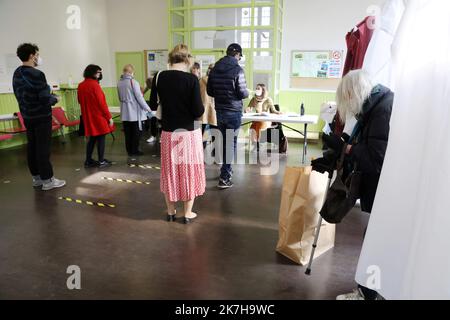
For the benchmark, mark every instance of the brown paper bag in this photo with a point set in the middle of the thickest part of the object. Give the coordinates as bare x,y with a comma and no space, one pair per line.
301,200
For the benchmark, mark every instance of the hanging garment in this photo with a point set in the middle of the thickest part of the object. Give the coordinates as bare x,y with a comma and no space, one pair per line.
405,252
357,42
377,61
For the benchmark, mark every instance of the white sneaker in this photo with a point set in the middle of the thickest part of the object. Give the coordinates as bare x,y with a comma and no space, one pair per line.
37,182
355,295
53,183
151,140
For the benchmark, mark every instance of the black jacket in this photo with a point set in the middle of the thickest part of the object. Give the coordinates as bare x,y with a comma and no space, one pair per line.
370,148
227,85
33,93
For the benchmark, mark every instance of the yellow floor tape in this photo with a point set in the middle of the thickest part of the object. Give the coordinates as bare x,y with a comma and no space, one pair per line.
144,166
89,203
125,180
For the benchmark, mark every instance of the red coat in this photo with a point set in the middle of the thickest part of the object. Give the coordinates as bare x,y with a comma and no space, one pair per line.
94,109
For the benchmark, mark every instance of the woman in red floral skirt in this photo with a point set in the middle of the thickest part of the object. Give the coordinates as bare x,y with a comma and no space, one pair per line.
182,165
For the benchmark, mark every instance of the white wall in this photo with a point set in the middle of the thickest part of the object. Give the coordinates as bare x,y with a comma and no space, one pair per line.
318,25
65,52
137,25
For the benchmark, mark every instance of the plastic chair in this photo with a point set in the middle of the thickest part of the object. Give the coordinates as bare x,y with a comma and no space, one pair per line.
4,137
60,115
20,129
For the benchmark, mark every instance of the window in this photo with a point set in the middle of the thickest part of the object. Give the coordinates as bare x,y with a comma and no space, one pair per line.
246,18
266,16
245,39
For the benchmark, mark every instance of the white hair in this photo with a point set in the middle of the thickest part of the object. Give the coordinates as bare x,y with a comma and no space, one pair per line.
355,88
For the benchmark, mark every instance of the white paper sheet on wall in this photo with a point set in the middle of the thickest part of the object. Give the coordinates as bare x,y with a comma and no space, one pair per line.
157,60
8,64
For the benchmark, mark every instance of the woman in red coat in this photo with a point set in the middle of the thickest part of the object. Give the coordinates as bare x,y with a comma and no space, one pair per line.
97,119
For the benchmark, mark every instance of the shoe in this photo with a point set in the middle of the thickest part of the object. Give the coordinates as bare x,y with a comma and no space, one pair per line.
189,220
172,217
225,184
91,164
137,154
105,163
52,184
151,140
37,182
355,295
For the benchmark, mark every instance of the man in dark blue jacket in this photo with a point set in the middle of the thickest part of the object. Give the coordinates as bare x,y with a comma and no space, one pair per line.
227,85
35,101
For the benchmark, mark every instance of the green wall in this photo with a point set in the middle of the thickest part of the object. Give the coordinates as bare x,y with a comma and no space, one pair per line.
290,101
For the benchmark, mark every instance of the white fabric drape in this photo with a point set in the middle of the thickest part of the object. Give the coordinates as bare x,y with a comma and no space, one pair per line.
408,236
377,61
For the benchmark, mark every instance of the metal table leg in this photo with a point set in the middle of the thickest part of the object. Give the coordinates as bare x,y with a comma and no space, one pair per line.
305,143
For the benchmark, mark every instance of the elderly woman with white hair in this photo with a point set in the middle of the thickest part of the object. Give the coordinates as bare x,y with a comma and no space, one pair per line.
372,107
133,109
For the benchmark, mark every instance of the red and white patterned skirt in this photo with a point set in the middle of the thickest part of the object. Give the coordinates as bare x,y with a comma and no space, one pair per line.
182,165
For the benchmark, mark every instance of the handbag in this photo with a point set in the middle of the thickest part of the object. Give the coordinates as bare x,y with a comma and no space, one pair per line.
159,109
343,193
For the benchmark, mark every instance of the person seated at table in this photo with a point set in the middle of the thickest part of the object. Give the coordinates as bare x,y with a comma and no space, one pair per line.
260,103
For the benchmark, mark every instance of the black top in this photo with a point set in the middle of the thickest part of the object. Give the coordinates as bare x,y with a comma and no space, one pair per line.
179,94
227,85
33,93
369,150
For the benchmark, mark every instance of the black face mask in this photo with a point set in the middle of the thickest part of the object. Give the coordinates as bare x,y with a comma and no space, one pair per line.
100,78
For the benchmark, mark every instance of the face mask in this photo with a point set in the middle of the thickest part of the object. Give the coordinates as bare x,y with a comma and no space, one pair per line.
100,77
39,61
258,92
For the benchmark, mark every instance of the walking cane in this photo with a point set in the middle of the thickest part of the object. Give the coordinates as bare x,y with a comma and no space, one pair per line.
319,225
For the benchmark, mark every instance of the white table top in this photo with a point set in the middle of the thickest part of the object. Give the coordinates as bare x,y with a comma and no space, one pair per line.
114,109
283,118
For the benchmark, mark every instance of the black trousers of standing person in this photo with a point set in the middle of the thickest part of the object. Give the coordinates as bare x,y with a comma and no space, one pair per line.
132,137
39,136
100,141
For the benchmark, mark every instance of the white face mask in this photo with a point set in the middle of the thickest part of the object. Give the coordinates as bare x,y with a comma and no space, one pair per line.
39,61
258,92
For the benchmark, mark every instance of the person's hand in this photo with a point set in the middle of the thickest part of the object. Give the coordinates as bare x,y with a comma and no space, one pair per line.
348,149
58,98
111,122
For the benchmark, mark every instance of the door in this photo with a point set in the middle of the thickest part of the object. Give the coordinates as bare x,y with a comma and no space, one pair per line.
134,58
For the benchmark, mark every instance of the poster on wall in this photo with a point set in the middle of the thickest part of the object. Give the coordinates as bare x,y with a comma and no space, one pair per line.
156,61
8,64
317,64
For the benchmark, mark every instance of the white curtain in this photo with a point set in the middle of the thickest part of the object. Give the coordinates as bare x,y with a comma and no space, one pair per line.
408,237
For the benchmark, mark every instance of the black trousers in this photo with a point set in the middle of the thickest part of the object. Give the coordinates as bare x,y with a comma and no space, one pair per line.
100,141
132,136
39,136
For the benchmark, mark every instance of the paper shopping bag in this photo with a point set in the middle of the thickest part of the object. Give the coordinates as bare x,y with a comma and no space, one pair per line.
301,200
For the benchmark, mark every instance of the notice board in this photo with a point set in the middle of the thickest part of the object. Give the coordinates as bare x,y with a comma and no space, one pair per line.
155,61
319,70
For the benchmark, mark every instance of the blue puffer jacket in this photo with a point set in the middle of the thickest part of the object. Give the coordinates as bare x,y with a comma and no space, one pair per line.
227,85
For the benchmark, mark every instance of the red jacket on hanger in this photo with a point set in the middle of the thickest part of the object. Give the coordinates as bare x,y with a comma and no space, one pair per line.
357,43
94,109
